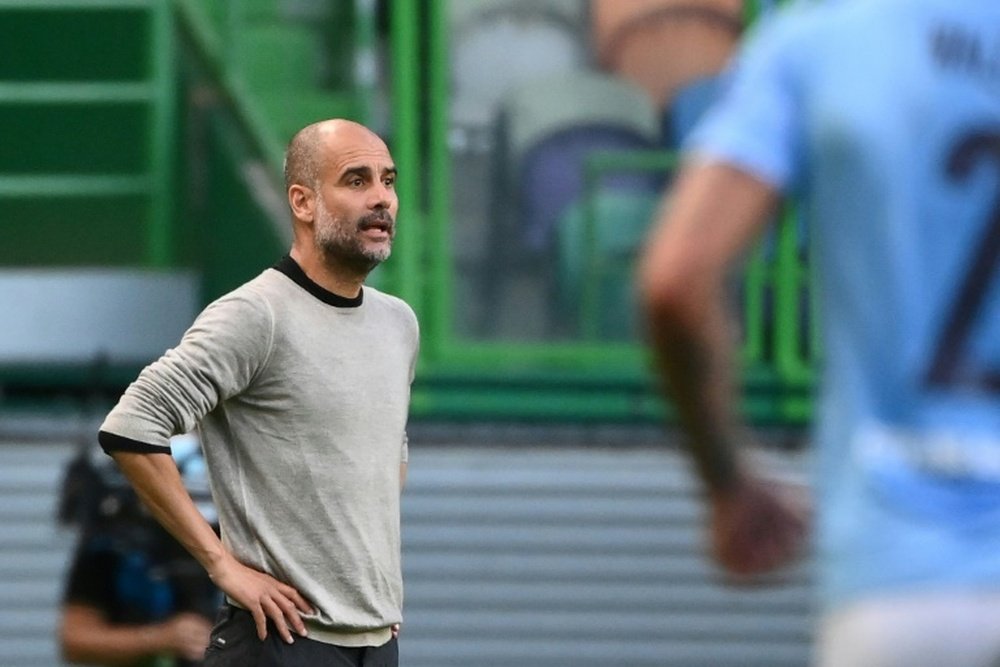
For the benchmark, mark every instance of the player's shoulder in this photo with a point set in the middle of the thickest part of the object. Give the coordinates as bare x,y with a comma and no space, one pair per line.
807,33
805,22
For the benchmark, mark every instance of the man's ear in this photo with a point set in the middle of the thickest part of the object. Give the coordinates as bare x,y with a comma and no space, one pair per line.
302,201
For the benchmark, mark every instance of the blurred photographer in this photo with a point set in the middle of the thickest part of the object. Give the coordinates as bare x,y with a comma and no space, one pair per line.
133,595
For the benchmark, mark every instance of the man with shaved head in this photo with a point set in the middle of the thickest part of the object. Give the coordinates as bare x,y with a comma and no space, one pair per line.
299,384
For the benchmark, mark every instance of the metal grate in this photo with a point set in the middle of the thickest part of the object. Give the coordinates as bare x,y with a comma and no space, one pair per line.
34,552
577,557
568,556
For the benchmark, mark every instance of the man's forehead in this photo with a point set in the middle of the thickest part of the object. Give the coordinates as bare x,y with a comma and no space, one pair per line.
371,152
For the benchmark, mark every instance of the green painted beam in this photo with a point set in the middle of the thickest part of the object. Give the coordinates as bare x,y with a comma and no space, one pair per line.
537,403
75,93
73,185
438,317
404,271
162,129
60,5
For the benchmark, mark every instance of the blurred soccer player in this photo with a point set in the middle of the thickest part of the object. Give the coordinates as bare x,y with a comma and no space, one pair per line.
882,117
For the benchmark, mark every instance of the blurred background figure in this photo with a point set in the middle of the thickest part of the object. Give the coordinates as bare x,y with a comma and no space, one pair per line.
133,595
141,178
881,118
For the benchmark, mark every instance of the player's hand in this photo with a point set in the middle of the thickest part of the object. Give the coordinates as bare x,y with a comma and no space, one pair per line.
264,597
757,526
395,630
187,635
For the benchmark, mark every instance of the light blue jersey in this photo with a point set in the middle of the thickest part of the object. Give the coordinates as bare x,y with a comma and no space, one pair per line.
883,118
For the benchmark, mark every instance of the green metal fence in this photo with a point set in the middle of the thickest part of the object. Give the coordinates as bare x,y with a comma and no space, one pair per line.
87,101
581,379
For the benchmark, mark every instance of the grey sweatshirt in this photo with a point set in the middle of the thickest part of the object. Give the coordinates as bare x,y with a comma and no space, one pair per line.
301,398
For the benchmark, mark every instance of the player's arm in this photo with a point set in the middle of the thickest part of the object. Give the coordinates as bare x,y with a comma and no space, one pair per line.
714,214
87,633
87,637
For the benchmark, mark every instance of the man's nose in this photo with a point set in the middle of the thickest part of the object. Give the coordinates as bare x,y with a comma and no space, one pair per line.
381,196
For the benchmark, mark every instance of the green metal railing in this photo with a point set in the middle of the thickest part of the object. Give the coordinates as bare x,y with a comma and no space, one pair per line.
597,166
776,282
154,93
582,379
403,273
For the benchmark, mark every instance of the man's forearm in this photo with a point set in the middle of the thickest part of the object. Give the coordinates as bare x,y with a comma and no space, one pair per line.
158,484
86,637
693,352
704,415
714,213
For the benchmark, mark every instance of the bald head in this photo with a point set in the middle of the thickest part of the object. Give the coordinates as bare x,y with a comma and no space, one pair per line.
314,145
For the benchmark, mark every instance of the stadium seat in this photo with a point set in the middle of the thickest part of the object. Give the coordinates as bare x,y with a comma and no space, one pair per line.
498,44
549,128
600,261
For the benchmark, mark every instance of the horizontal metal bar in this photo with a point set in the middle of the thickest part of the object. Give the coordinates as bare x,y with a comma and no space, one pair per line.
58,92
631,160
76,4
73,185
488,403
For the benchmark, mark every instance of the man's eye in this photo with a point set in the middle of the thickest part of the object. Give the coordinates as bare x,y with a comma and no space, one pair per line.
389,182
357,182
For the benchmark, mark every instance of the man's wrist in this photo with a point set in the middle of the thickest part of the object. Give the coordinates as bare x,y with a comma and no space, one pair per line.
213,558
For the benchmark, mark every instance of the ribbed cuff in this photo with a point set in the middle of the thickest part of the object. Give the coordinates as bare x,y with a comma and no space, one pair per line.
111,442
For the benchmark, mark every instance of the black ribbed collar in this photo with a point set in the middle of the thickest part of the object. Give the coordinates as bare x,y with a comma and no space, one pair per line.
290,268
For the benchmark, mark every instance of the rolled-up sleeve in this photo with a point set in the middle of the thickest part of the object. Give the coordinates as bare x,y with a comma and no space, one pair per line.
216,358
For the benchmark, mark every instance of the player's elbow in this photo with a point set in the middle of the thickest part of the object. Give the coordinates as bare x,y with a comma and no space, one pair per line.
80,626
69,647
667,291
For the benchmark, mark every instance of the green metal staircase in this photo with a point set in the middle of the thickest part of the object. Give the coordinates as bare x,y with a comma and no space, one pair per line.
87,102
276,66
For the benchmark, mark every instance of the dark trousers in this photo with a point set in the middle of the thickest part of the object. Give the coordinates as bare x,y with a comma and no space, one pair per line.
234,643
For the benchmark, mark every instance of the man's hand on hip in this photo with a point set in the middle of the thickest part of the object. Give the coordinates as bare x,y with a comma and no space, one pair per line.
264,597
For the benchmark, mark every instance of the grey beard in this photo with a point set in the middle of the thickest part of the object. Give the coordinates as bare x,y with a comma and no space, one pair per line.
351,253
343,246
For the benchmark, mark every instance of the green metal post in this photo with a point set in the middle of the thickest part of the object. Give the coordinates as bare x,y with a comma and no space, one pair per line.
597,165
788,311
754,277
590,294
364,75
440,300
404,266
161,129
